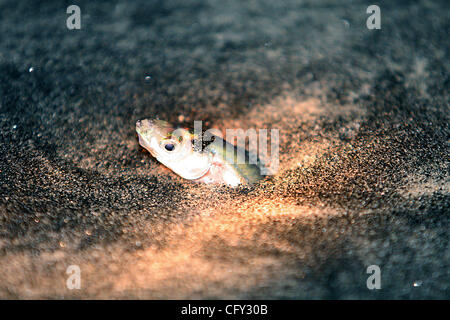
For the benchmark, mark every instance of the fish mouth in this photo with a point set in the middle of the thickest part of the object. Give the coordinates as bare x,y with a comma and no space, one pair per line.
144,124
147,145
151,125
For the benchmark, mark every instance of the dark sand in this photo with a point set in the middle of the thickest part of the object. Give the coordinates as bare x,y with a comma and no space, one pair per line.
364,130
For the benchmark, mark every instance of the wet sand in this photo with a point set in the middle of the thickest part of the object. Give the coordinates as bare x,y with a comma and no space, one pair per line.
363,176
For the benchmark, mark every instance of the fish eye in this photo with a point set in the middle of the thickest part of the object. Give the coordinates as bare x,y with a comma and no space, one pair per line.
169,146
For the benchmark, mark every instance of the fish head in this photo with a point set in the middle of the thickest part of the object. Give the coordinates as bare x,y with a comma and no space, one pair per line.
162,141
173,148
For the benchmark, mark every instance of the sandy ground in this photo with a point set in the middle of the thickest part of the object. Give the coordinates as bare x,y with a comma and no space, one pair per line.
364,143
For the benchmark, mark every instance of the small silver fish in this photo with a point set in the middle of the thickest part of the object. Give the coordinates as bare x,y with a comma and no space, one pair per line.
177,150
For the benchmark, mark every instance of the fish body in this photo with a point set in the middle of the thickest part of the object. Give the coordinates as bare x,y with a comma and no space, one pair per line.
219,162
